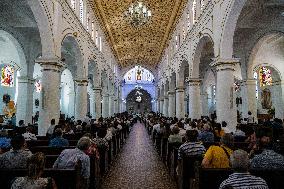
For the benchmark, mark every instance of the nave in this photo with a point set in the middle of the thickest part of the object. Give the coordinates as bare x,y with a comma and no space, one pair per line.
138,165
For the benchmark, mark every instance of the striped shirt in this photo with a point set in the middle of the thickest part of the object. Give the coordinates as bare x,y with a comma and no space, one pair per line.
243,181
190,149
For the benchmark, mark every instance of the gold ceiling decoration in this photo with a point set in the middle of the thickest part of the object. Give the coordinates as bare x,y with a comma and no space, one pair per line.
143,45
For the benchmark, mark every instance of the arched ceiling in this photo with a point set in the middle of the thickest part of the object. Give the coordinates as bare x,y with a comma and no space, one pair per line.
146,44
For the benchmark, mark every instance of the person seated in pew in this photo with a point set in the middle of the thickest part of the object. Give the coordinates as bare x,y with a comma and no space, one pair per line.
268,158
218,131
218,156
28,135
69,158
93,149
17,157
5,142
50,129
206,135
191,147
58,140
101,140
33,180
239,132
175,137
241,178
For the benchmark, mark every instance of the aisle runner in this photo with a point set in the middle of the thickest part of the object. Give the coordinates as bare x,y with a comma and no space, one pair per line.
138,165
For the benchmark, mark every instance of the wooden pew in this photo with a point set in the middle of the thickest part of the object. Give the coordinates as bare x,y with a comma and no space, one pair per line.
47,150
214,177
32,143
186,176
64,178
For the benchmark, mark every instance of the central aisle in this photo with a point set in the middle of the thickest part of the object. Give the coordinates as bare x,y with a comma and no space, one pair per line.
138,165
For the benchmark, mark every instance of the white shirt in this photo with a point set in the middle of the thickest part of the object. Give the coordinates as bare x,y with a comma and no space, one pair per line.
50,129
29,136
157,128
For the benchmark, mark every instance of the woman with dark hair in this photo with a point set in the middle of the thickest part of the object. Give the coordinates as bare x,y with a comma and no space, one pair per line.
34,180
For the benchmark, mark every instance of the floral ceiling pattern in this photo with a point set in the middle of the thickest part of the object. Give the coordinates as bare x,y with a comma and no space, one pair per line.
143,45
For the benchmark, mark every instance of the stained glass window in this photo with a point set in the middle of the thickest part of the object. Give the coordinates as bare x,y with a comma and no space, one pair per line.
7,76
139,74
38,86
214,93
265,76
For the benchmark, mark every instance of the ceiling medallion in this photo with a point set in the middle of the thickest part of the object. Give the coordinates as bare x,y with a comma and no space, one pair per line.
137,14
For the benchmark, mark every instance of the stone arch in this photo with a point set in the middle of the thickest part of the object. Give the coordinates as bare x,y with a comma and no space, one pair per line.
204,49
43,18
229,24
145,105
274,39
72,55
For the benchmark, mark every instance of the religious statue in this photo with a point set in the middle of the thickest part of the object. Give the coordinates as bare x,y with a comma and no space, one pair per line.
266,101
9,109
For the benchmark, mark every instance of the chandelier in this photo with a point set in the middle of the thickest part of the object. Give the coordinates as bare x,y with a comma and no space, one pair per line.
137,14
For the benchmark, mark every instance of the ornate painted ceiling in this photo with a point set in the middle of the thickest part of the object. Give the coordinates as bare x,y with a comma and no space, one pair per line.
146,44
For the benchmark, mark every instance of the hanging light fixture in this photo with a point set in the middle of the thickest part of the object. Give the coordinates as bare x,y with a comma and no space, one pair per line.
137,14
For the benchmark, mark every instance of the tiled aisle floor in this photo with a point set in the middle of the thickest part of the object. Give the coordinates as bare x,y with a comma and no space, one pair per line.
138,165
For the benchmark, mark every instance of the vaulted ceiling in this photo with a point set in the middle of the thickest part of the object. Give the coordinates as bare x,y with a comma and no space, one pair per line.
143,45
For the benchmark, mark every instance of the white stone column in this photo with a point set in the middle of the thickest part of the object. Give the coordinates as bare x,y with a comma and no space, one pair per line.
161,105
50,94
251,101
97,103
225,100
111,105
171,109
165,106
180,111
25,99
81,99
204,104
281,115
194,98
105,106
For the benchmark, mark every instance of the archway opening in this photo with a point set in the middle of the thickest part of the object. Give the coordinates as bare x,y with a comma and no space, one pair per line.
139,101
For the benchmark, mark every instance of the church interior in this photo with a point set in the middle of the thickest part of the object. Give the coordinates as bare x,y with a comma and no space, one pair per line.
130,94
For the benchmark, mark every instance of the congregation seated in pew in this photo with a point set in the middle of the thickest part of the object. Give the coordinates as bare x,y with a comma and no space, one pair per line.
218,156
70,157
58,140
241,178
17,157
35,166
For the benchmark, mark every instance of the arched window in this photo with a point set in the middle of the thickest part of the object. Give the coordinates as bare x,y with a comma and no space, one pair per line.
73,4
138,74
101,44
81,10
7,76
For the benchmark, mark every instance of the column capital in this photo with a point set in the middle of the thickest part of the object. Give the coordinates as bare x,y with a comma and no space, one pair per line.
97,89
81,81
250,82
180,89
194,81
51,64
25,79
171,93
225,64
